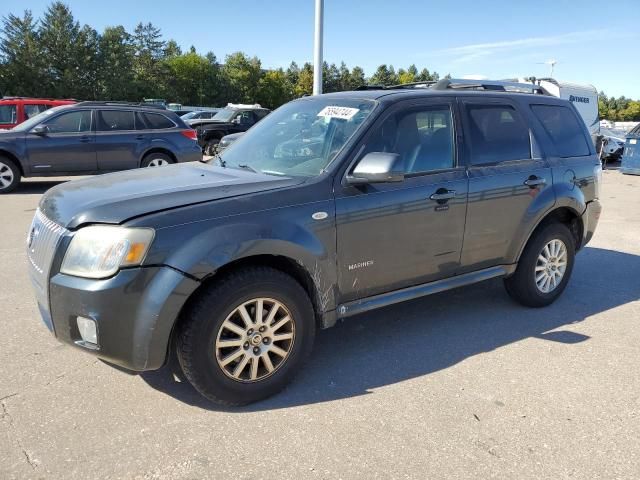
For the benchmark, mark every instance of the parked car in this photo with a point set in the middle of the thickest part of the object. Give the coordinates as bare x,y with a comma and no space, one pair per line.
611,144
233,266
94,137
226,141
15,110
200,114
631,156
231,119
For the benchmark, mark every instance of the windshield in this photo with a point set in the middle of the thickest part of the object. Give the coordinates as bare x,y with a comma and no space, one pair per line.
189,115
33,121
224,115
300,138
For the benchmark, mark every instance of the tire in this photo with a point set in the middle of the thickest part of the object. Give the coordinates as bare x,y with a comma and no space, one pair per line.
205,327
156,159
523,287
9,175
211,147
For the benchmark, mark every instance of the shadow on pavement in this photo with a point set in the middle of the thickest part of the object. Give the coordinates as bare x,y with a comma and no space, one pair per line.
423,336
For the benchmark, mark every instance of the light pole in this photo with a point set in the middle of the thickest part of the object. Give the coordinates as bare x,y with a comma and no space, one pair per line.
317,49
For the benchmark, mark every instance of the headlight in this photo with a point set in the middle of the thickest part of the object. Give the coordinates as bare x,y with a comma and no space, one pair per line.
100,251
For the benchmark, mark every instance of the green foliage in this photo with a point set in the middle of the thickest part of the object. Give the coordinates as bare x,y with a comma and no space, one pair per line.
619,109
55,56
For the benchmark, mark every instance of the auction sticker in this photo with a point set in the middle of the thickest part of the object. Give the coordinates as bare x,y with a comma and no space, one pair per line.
633,141
343,113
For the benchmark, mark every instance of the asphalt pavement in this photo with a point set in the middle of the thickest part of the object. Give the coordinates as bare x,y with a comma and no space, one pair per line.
463,384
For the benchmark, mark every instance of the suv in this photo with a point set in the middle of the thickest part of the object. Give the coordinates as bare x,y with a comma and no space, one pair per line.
231,119
93,137
334,205
15,110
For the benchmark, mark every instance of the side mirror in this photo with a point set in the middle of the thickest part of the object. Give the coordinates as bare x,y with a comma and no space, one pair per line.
237,120
40,130
377,167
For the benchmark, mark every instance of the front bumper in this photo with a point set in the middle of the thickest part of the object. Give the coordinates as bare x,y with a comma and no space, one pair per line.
134,312
590,219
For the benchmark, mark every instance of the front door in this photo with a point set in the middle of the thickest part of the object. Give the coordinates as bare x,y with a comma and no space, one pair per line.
506,175
394,235
67,146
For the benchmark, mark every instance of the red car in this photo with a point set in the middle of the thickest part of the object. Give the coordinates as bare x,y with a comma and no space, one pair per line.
15,110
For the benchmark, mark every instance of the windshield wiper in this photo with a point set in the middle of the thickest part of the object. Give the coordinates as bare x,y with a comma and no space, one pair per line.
244,166
222,162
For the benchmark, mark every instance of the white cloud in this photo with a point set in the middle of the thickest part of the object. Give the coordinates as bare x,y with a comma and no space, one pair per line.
466,53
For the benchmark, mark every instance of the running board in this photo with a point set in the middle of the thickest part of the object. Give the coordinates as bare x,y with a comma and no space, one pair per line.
371,303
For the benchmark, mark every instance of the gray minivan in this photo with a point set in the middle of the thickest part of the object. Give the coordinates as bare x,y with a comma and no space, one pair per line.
94,137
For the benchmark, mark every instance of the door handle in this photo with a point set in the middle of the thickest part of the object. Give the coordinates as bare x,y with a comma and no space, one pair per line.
85,139
140,137
442,195
533,181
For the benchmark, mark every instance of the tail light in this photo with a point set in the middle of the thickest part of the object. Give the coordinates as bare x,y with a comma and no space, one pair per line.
192,134
597,177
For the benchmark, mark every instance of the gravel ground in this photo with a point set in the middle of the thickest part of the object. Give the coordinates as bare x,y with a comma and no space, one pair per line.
463,384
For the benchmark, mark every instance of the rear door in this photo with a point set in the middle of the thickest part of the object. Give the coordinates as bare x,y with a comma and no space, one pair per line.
506,175
118,143
68,146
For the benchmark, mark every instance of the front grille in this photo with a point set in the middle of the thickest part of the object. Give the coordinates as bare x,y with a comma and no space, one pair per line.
42,240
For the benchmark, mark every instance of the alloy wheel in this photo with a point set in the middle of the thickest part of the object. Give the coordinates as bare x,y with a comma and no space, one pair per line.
551,266
255,340
6,175
158,162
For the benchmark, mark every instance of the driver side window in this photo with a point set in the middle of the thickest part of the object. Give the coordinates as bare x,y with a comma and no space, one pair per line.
246,118
423,137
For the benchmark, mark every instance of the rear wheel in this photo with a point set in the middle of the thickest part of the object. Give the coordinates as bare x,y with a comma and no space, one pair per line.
544,268
247,336
156,160
9,175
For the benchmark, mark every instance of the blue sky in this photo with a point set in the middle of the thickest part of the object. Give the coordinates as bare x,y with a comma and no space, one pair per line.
593,42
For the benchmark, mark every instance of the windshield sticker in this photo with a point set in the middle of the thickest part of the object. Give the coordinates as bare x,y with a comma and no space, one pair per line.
343,113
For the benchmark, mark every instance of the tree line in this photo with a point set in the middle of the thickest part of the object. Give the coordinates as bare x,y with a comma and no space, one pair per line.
54,56
619,109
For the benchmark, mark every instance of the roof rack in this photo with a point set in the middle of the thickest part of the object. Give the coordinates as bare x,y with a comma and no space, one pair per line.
243,105
460,83
424,84
493,85
369,87
109,103
17,97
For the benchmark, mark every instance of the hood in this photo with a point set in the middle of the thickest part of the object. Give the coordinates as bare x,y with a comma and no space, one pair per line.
118,197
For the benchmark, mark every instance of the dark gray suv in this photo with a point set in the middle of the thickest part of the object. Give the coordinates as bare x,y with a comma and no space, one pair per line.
331,206
94,137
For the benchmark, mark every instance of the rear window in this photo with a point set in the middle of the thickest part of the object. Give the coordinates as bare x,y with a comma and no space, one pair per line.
564,128
8,114
157,121
115,120
497,134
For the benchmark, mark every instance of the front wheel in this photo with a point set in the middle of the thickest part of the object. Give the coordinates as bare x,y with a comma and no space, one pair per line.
211,147
247,336
544,268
